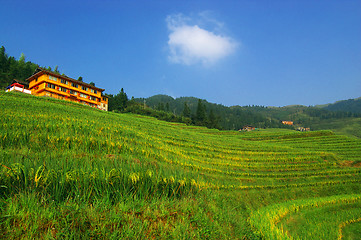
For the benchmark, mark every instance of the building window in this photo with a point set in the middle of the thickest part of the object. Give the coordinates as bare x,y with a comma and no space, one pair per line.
83,95
84,88
64,81
53,78
104,99
93,98
74,85
94,91
62,89
49,85
72,92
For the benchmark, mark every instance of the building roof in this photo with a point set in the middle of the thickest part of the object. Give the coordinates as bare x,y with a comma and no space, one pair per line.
20,82
40,71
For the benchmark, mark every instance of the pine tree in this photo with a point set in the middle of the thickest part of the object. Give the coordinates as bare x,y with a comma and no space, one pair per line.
212,120
56,69
4,68
22,58
160,106
118,102
201,117
186,111
123,100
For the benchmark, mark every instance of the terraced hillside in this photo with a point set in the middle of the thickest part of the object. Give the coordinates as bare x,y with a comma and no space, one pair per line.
70,171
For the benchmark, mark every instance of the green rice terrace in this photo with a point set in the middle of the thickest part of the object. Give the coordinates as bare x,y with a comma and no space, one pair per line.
68,171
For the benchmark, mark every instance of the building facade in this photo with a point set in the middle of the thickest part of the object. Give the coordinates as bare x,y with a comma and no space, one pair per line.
287,123
46,83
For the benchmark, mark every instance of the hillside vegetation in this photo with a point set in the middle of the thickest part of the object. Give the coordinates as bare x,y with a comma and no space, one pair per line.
350,105
68,171
11,69
342,117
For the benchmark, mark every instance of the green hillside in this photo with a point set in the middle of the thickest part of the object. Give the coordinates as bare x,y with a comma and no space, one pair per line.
68,171
341,122
350,105
228,118
341,117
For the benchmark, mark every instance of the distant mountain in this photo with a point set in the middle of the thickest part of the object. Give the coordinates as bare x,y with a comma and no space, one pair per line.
333,116
229,118
350,105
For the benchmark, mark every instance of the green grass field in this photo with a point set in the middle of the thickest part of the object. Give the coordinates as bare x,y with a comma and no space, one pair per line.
68,171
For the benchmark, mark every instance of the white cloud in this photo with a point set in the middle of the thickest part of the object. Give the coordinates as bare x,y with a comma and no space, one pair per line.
190,44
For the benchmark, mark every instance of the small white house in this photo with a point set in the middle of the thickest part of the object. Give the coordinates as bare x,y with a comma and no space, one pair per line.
18,87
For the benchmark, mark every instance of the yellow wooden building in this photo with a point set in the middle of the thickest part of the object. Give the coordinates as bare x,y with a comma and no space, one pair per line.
46,83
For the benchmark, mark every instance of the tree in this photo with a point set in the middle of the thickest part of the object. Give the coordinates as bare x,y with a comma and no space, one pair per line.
22,58
201,117
160,107
56,69
124,99
91,83
118,102
186,110
80,78
4,68
3,53
212,120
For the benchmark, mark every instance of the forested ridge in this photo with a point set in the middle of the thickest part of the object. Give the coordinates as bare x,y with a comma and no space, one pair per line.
235,117
350,105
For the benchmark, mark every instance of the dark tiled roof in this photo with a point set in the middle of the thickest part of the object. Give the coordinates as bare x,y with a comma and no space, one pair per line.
20,82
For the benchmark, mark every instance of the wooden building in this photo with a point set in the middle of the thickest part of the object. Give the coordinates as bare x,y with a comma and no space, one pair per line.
46,83
287,123
303,129
248,128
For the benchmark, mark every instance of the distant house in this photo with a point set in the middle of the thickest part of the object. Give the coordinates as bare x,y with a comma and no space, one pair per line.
46,83
25,83
287,123
19,86
248,128
303,129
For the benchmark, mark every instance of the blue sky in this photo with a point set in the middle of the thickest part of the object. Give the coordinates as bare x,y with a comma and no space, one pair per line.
271,53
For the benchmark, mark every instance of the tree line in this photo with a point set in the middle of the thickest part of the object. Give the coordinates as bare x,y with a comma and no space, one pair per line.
11,69
211,115
200,112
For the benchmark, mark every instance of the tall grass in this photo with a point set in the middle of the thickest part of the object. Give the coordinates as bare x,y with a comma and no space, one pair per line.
68,171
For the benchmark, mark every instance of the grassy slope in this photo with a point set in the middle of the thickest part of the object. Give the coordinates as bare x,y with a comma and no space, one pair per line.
69,171
348,126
